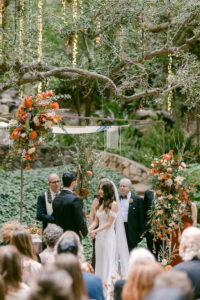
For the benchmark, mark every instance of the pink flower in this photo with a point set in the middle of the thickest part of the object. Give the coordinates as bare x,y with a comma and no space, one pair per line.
169,170
183,165
169,182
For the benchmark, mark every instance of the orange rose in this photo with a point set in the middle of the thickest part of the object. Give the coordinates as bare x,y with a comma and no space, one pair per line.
16,133
55,105
159,192
28,102
33,135
88,172
56,119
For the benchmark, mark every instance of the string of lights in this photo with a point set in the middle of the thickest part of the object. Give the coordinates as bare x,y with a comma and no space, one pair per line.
75,36
39,40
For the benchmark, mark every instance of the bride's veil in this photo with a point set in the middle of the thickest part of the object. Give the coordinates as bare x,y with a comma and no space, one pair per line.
122,253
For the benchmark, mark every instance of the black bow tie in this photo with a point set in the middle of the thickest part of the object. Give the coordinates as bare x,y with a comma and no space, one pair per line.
123,197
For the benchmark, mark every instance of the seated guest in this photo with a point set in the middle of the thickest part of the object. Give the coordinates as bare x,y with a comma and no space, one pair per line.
169,293
10,269
137,256
22,241
85,266
7,230
177,279
50,236
141,280
190,252
51,285
69,262
70,242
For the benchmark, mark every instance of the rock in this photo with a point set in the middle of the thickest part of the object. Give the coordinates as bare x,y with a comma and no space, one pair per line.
140,188
4,109
146,113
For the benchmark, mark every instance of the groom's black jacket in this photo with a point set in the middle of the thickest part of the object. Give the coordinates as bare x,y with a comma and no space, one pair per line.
67,212
136,221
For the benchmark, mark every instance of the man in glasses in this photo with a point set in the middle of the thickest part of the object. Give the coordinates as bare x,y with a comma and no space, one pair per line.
132,213
45,200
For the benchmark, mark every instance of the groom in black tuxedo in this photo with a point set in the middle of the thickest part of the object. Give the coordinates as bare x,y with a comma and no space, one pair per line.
67,209
132,213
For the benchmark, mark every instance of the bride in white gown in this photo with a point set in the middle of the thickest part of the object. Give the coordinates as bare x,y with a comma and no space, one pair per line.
111,249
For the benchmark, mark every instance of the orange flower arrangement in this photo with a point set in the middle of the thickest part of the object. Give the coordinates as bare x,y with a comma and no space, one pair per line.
172,195
32,125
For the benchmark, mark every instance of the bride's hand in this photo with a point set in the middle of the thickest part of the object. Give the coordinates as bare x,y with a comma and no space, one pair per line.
92,234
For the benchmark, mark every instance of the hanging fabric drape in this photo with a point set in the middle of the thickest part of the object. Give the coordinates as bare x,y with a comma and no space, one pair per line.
113,138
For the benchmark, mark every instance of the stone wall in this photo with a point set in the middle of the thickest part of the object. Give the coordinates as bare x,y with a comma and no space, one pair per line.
136,172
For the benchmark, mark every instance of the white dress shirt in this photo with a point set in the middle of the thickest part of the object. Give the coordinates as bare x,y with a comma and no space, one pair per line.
124,203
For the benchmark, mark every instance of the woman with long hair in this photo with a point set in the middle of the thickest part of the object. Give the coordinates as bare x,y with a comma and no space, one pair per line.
106,231
141,280
22,241
70,263
10,270
92,215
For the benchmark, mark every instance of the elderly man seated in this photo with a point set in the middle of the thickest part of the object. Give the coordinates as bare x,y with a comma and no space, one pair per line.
190,252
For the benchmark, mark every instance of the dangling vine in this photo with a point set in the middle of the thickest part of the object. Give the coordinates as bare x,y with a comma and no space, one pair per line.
39,40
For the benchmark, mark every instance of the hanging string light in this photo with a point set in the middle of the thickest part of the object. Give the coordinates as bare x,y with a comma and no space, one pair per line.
21,42
75,36
169,99
39,39
98,24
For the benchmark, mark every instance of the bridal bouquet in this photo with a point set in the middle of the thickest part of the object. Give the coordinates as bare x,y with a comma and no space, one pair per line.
172,195
32,125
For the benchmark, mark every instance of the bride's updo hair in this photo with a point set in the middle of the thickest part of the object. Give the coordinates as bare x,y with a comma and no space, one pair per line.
109,195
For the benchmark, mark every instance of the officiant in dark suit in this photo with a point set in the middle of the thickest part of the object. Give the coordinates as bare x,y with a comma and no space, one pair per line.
132,213
67,209
45,200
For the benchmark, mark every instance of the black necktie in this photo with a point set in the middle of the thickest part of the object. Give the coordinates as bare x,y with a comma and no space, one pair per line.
123,197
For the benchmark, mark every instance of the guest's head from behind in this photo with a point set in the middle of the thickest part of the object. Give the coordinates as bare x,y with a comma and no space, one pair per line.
69,180
125,186
190,244
22,241
54,182
141,280
51,284
107,195
177,279
69,242
10,267
7,231
51,234
168,293
138,255
70,264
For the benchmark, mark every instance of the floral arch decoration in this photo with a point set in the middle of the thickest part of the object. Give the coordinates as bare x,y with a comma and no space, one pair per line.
32,125
172,196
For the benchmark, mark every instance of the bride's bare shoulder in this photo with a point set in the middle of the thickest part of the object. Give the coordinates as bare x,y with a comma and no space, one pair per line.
114,206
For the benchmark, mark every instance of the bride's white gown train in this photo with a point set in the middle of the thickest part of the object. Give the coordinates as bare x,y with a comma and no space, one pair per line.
105,249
